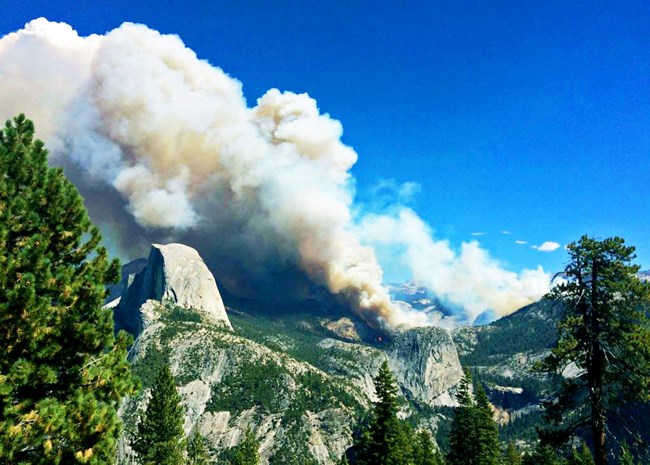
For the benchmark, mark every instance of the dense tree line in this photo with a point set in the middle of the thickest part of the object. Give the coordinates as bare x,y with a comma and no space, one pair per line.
160,437
474,437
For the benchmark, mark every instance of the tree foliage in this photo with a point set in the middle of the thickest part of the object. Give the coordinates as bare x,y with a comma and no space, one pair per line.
543,454
62,371
424,451
487,432
385,439
160,437
474,436
462,440
581,456
246,452
625,456
604,334
197,453
512,455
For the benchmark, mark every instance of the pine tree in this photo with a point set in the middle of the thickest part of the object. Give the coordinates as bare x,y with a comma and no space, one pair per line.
62,370
197,453
605,333
160,438
542,455
386,440
246,452
513,457
487,432
474,436
385,428
424,452
582,457
462,439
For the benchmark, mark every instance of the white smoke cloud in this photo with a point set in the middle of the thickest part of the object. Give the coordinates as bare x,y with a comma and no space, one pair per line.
469,279
164,147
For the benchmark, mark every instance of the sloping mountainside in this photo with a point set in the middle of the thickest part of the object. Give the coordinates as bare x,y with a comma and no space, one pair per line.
502,355
300,382
301,378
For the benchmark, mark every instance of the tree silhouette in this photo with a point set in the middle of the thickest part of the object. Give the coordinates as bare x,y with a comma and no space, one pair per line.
605,334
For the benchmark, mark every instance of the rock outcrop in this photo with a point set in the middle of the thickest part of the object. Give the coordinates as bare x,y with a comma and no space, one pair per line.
425,363
174,274
129,271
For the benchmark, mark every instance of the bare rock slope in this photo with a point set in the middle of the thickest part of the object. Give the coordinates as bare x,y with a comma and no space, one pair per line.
425,362
174,274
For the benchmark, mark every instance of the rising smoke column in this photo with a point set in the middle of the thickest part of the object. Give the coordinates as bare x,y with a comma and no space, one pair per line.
468,277
164,147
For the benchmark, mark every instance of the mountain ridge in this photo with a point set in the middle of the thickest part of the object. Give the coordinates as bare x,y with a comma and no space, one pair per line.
301,378
300,382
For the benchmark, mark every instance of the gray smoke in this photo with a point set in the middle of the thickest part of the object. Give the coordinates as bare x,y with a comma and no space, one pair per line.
164,147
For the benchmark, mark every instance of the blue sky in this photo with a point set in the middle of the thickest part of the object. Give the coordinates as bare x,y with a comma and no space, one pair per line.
524,117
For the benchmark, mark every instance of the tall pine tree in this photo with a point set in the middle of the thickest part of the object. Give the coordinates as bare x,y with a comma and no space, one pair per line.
62,371
474,436
605,333
487,432
462,441
512,456
424,452
385,440
160,438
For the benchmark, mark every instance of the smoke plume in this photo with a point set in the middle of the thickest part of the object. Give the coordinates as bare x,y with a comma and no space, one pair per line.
469,278
164,147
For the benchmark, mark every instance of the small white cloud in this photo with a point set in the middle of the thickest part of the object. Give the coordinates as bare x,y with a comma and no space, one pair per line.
521,242
506,232
548,246
479,233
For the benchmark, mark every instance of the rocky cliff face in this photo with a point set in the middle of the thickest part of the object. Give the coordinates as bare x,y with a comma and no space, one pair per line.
300,383
424,361
174,274
426,365
229,384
